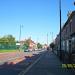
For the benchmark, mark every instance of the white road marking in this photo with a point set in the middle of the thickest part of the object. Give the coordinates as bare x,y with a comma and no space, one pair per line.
28,68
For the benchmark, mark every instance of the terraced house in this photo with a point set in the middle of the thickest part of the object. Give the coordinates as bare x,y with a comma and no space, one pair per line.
67,38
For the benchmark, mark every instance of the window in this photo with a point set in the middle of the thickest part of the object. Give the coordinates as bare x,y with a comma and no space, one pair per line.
73,43
67,45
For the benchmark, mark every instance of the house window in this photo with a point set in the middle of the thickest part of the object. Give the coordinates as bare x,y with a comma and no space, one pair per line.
73,43
67,45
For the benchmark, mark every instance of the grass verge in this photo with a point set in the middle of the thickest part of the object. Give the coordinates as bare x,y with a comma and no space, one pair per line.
3,51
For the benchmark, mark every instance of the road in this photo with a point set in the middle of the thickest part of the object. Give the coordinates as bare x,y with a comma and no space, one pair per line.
15,63
48,64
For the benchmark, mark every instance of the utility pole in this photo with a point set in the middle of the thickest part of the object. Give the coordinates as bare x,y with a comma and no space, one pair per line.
20,35
20,32
37,40
60,27
51,33
47,39
74,2
52,36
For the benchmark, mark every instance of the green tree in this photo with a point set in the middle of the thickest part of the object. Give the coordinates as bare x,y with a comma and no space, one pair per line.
52,45
39,45
7,41
26,44
12,41
3,42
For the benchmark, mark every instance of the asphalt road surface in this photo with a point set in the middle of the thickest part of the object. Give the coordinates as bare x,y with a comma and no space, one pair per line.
15,63
49,64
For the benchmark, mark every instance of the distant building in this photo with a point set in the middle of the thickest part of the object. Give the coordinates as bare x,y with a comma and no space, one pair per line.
32,45
22,42
45,46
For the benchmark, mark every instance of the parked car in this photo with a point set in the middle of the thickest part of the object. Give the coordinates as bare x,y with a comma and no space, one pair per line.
27,50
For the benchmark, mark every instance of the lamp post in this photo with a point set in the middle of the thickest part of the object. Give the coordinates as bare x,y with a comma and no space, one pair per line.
60,27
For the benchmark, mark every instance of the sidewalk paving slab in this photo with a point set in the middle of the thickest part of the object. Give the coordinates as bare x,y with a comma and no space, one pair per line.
49,65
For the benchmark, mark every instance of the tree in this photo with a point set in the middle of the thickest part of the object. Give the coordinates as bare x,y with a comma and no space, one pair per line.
52,45
26,44
7,41
11,39
3,42
39,46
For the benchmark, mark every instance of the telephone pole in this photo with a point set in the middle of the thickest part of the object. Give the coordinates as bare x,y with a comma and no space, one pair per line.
47,39
20,35
20,32
60,28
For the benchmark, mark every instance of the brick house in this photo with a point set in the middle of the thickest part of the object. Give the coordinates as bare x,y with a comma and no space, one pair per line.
32,45
67,36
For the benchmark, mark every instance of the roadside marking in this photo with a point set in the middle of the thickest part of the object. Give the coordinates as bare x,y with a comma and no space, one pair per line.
28,68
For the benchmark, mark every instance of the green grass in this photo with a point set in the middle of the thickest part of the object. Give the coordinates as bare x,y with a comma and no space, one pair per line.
2,51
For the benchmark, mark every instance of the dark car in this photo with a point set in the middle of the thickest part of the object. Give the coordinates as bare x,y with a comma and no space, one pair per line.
26,50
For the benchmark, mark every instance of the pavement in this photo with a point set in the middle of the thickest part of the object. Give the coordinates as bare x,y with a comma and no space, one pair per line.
49,64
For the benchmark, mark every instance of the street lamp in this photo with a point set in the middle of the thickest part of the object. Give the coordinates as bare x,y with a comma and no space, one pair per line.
60,27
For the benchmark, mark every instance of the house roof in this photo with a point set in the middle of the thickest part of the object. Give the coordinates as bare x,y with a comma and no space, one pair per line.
32,42
68,20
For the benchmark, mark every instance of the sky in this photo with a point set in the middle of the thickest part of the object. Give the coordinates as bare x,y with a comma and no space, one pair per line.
38,18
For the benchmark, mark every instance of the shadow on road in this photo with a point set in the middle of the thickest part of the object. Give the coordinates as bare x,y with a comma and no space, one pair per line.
16,66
